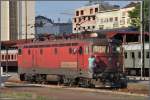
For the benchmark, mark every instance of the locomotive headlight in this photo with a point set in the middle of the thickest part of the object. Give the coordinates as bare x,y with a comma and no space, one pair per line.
118,64
109,59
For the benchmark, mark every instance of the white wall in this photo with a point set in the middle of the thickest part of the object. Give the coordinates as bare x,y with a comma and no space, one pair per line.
4,20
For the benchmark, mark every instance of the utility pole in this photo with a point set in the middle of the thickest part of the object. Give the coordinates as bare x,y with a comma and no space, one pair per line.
149,45
141,36
26,37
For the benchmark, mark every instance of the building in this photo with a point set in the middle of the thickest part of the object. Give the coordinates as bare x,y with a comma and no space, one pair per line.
46,25
19,17
114,18
85,17
4,20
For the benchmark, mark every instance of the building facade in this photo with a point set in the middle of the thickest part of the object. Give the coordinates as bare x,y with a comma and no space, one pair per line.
85,17
45,25
17,17
115,18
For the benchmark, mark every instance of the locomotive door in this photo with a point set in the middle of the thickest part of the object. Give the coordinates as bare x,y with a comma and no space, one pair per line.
34,59
80,59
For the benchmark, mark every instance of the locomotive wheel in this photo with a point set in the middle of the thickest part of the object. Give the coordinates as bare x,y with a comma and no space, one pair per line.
22,77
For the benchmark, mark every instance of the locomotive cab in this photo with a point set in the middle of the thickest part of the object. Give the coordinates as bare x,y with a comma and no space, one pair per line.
108,69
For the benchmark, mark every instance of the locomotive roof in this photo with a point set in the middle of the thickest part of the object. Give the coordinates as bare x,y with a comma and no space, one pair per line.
69,42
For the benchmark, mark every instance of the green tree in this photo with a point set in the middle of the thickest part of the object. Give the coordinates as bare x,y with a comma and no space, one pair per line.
135,15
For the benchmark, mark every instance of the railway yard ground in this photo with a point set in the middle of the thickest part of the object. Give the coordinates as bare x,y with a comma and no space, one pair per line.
16,90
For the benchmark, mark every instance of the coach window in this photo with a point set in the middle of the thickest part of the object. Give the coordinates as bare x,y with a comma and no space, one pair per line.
132,55
8,57
3,58
147,54
41,51
55,51
12,57
139,54
125,55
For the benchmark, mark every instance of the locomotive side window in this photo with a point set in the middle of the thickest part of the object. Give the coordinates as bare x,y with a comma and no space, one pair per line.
80,50
41,51
70,50
147,54
125,55
55,51
139,54
29,52
19,51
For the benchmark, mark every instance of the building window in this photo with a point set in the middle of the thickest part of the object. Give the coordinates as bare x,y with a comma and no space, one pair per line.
93,27
96,9
128,21
74,28
101,27
93,17
147,54
102,21
75,20
79,19
77,13
84,18
88,27
125,55
89,18
123,13
82,12
139,54
116,18
111,19
91,11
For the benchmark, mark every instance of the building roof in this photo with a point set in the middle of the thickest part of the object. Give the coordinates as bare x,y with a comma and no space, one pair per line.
132,4
62,23
103,6
42,17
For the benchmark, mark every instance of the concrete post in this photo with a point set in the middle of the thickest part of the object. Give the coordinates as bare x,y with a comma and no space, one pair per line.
1,80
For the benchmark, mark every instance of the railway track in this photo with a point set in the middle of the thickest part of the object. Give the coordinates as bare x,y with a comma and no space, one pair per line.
127,91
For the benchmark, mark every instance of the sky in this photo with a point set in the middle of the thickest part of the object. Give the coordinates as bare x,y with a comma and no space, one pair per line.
55,9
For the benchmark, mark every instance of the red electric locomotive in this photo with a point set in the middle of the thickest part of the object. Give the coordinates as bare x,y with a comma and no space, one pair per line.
66,61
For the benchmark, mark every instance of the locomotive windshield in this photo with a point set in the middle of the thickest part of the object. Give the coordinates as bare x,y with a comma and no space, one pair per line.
115,48
100,49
